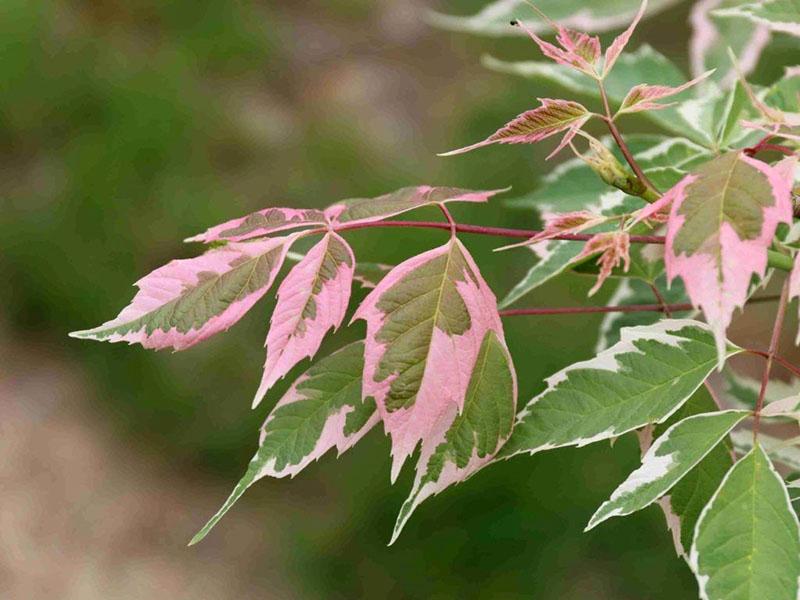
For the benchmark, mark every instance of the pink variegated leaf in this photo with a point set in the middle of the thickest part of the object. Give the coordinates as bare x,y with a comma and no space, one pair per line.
322,410
189,300
722,222
552,117
426,321
369,210
643,96
477,433
618,45
311,300
659,210
614,248
584,46
561,223
572,55
263,222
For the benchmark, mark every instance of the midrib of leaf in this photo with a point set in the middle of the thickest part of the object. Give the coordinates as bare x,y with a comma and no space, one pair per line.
637,395
206,288
431,319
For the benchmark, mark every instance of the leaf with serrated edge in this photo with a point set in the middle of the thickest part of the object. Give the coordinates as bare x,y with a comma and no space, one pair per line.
189,300
322,410
747,540
552,117
312,299
722,222
670,457
642,379
687,498
477,433
425,323
370,210
644,96
355,210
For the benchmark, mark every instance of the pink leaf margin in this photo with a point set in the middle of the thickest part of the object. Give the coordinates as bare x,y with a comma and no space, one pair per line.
171,281
740,259
293,337
448,363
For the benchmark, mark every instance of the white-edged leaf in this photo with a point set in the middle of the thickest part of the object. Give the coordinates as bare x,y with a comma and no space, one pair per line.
642,379
747,541
780,452
322,410
477,433
668,460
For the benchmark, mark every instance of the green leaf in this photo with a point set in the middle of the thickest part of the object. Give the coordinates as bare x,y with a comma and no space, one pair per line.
747,543
673,455
323,409
778,449
476,434
595,17
729,114
687,499
778,15
634,291
574,186
642,379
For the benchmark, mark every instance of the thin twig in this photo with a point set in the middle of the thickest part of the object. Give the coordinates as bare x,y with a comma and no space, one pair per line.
572,310
624,308
626,152
450,220
493,231
773,350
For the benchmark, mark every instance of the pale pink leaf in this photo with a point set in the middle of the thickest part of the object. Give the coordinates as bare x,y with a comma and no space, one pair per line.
644,96
264,222
722,222
370,210
312,299
189,300
614,249
476,434
552,117
618,45
426,321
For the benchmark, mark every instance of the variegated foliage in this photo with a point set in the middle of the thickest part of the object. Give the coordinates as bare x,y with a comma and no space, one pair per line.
434,367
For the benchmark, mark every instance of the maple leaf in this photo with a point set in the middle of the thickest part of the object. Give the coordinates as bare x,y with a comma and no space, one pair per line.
551,118
722,221
644,96
426,321
614,248
580,50
189,300
354,210
312,299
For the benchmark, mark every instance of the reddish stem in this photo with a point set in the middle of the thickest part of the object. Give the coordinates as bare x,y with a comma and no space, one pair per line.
626,152
494,231
572,310
773,350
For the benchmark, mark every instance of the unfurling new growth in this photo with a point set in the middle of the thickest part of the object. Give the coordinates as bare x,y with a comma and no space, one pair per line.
690,224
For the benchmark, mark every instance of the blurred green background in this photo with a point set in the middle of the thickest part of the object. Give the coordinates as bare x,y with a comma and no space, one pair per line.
128,126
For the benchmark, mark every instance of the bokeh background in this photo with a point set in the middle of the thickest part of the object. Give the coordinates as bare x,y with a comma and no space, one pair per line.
126,126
